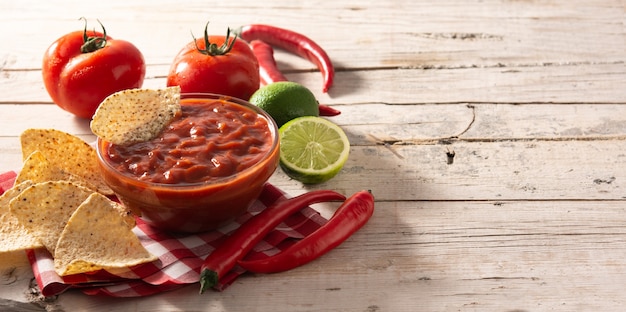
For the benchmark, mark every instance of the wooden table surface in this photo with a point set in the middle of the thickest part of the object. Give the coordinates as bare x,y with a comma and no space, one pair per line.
528,96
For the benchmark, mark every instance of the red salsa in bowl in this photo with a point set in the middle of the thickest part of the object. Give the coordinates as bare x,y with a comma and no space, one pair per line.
204,169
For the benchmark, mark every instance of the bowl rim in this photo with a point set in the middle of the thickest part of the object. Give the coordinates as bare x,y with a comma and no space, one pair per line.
274,148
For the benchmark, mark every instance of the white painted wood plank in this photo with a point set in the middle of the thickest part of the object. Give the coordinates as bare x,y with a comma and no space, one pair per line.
521,170
405,124
581,84
487,164
426,256
357,34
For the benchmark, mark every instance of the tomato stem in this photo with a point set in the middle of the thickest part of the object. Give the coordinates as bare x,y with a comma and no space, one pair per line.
94,43
211,48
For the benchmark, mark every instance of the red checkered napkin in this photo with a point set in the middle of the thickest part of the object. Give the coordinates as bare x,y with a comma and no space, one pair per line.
180,256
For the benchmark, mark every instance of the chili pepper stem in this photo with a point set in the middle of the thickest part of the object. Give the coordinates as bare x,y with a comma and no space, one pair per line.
208,279
240,242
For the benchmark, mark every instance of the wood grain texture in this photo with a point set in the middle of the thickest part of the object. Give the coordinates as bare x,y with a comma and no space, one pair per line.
492,134
572,84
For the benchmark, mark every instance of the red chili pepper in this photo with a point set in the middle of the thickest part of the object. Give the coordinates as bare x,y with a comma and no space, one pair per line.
269,72
240,242
348,218
293,42
267,64
328,111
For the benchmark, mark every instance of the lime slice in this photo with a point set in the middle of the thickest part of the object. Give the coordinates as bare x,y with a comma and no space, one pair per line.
312,149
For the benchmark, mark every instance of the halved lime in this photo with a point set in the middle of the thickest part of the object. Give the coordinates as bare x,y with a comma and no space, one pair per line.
312,149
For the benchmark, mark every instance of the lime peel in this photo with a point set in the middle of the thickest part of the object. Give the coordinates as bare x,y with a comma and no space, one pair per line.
285,100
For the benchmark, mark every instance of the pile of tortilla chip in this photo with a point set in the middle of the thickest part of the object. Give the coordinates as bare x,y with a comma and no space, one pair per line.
59,202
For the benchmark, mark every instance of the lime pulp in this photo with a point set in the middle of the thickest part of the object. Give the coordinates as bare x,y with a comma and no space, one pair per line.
312,149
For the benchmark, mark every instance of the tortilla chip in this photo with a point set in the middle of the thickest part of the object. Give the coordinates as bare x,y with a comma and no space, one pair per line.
12,260
13,235
97,237
37,168
135,115
66,153
44,208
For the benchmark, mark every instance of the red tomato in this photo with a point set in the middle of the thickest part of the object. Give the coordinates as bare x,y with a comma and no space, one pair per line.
81,68
227,66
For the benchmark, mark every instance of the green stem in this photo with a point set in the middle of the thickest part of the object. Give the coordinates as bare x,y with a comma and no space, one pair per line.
208,279
95,43
211,48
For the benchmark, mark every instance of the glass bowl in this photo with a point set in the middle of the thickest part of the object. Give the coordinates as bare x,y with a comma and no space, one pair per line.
193,207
